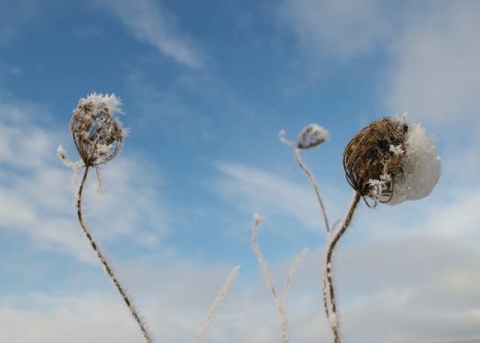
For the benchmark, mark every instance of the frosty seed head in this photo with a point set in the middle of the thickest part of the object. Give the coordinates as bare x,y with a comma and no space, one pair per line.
368,157
97,134
311,136
391,162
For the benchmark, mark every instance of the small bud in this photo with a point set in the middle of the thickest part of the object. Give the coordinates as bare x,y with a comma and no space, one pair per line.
311,136
257,219
61,153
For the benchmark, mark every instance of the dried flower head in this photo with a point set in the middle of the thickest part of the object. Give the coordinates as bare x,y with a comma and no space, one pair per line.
97,134
311,136
386,160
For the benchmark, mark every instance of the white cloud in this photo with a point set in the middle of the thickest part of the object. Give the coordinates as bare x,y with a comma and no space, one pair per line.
415,289
46,318
37,194
434,71
343,30
417,286
408,271
151,23
273,196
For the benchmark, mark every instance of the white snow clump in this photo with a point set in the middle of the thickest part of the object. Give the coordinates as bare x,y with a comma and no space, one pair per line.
421,167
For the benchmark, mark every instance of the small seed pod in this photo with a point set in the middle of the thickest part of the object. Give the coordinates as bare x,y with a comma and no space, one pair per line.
311,136
391,162
97,134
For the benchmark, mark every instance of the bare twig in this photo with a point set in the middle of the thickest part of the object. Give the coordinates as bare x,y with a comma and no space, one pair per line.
266,274
280,302
218,300
293,268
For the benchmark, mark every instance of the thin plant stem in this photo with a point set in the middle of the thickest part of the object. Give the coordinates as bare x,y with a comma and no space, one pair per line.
325,296
216,303
291,273
266,274
104,262
296,153
280,302
332,310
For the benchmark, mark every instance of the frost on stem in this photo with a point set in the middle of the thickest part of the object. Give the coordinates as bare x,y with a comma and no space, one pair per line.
279,301
216,304
62,154
311,136
390,161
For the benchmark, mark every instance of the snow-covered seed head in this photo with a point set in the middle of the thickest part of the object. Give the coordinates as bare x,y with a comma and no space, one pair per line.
311,136
97,134
390,161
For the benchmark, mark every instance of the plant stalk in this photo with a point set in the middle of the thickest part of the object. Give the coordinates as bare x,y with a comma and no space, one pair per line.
104,262
328,279
296,153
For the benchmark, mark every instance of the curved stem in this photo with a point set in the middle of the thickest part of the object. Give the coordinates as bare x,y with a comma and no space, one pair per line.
310,176
332,311
103,260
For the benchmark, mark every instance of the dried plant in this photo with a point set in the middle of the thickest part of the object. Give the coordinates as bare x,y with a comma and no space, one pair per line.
311,136
329,294
98,137
97,134
389,162
216,304
279,301
376,153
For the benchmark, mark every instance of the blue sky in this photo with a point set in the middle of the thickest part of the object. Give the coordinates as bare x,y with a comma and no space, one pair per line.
206,88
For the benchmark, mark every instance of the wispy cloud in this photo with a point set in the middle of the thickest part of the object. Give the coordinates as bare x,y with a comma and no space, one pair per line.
14,18
434,70
7,69
414,289
336,30
89,31
271,195
37,194
419,287
153,24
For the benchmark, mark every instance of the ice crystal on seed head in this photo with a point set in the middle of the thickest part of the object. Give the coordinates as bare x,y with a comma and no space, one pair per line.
311,136
111,103
397,149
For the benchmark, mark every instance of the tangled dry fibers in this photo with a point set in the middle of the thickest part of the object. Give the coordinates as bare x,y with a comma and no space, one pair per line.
369,156
97,134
